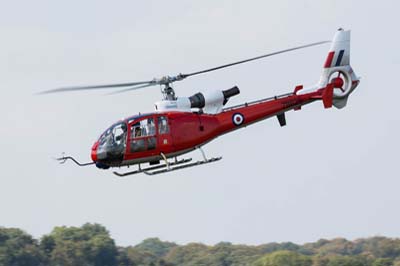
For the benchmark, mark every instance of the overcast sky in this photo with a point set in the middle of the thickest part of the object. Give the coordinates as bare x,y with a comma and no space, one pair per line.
328,173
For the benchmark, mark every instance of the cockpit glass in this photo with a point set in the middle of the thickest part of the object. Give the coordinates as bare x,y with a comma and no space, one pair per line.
113,141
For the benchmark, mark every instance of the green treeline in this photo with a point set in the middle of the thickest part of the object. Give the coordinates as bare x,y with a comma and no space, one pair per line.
91,245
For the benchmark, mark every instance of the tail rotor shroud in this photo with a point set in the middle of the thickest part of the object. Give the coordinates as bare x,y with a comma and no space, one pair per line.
342,82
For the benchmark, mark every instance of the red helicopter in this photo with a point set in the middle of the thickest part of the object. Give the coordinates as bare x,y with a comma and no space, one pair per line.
182,124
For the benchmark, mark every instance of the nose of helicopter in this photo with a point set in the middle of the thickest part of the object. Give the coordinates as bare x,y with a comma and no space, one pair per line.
97,158
93,154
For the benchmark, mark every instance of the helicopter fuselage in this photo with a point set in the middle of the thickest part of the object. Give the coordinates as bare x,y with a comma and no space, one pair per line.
148,138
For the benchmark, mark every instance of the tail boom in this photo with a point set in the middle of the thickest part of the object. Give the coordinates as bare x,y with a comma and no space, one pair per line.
246,114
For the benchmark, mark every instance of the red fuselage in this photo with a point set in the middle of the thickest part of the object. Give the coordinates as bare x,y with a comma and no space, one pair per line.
144,138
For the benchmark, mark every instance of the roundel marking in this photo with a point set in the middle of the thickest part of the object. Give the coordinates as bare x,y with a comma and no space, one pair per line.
237,119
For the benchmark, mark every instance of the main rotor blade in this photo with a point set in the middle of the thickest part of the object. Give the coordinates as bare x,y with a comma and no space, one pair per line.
131,89
96,87
168,79
252,59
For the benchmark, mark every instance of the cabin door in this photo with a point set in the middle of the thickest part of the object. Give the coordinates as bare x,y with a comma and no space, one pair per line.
142,139
165,143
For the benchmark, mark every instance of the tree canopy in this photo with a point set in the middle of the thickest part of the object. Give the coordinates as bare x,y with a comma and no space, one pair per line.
91,245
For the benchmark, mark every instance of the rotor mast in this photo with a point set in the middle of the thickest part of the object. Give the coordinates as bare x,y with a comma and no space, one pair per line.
167,90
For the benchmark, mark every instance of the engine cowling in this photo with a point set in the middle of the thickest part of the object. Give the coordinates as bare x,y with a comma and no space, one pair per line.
210,102
213,101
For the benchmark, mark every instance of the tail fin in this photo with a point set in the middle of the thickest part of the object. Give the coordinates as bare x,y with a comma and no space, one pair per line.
337,70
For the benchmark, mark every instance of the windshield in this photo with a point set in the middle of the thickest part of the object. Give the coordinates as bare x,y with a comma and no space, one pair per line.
112,142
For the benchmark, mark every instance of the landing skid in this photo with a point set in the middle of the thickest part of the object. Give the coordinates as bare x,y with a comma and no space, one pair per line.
170,166
182,166
144,170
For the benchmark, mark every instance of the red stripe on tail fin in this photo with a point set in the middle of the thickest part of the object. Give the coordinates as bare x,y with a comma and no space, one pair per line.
329,59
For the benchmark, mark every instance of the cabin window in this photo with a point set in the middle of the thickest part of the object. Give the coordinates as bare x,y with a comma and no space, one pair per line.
143,135
163,127
144,128
137,145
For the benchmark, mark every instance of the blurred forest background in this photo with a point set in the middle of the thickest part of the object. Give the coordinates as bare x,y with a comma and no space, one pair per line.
92,245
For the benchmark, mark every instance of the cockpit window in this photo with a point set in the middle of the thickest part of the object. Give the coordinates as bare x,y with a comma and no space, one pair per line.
113,142
119,134
115,134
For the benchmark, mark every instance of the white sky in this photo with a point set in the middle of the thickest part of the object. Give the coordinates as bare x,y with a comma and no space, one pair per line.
329,173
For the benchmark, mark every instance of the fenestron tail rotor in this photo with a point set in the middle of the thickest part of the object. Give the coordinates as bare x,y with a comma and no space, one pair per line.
167,91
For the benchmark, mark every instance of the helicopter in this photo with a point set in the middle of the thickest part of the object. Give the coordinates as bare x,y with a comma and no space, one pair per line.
182,124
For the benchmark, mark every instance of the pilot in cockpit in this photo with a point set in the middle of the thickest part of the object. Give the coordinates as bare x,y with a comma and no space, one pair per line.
138,132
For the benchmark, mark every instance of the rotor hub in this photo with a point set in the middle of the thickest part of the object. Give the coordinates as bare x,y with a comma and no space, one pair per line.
338,82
